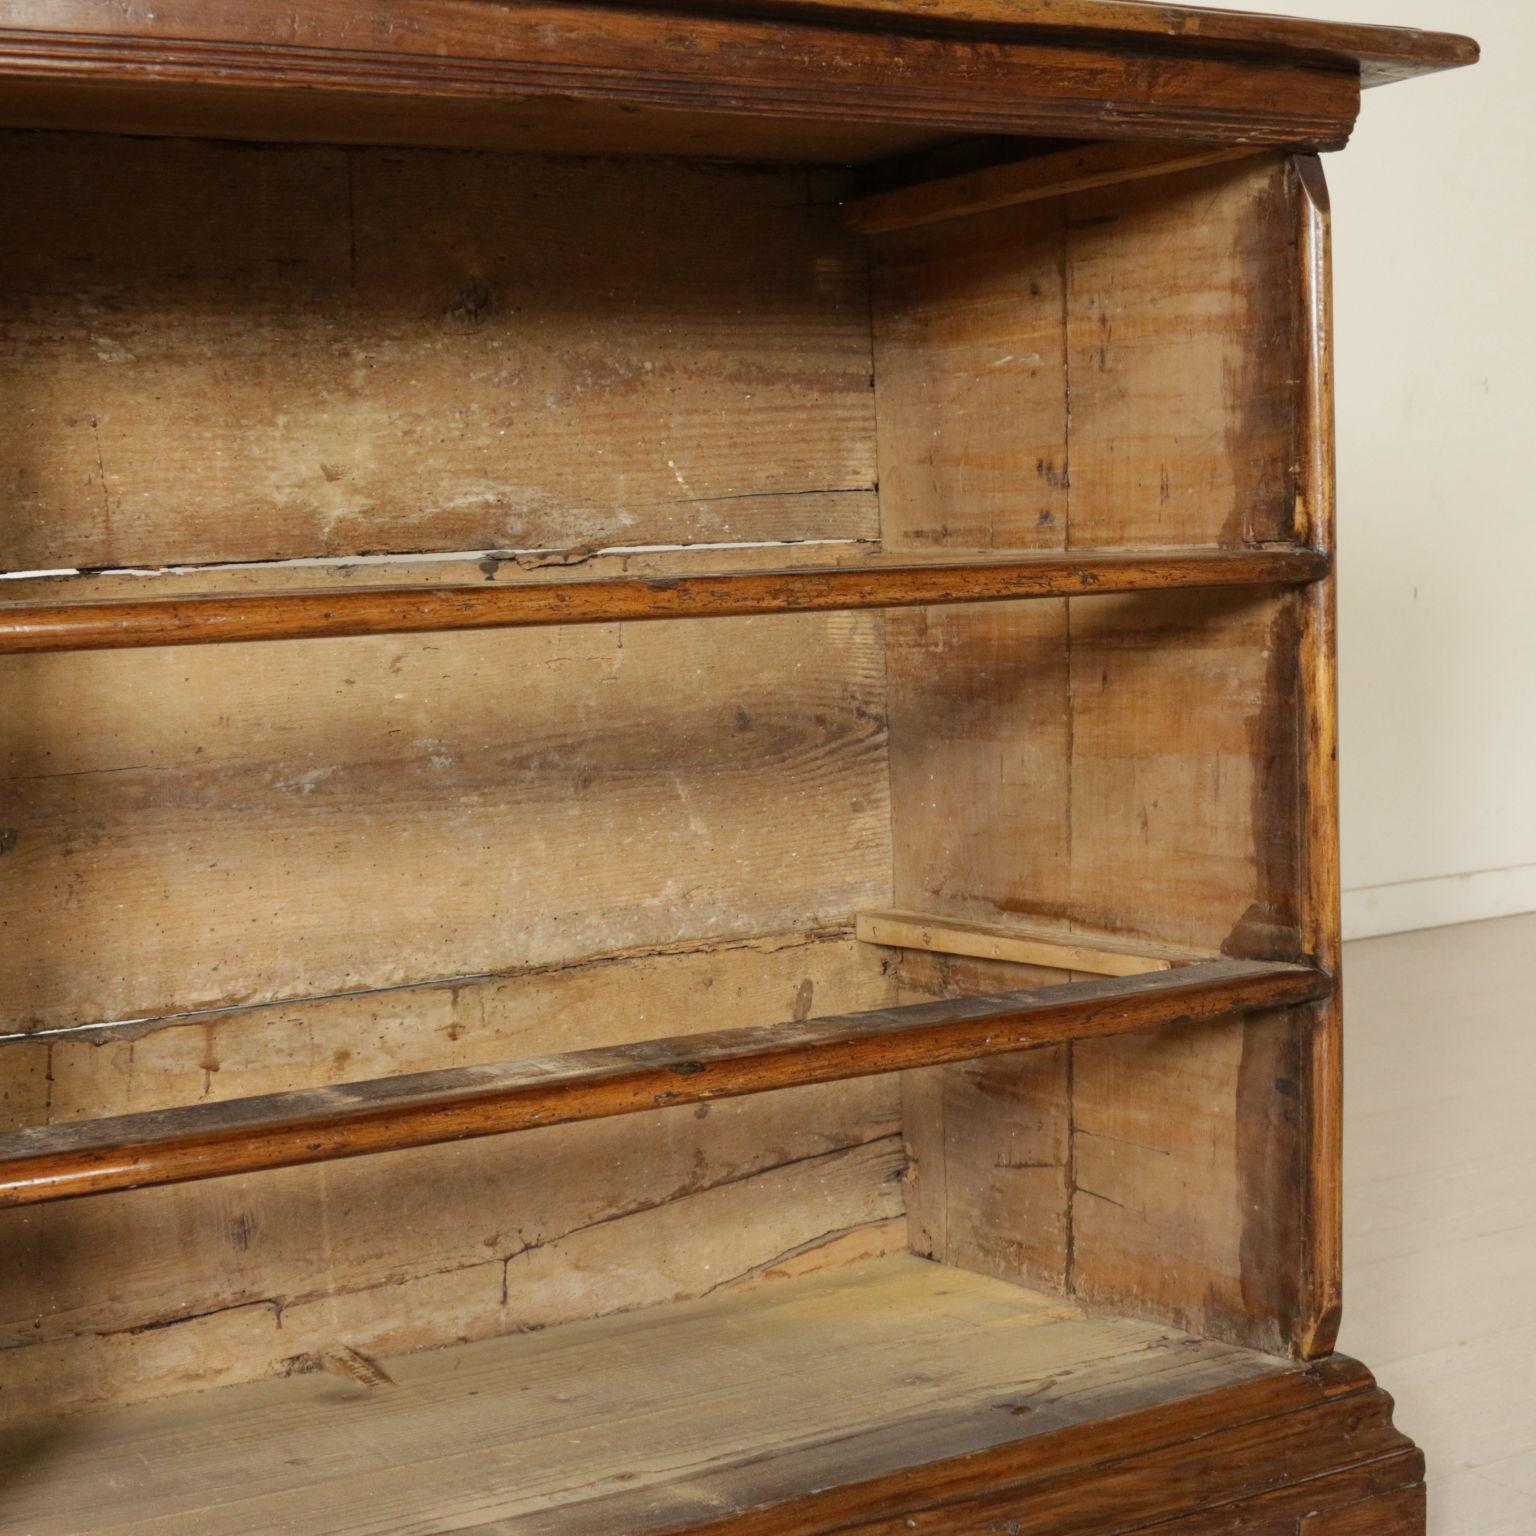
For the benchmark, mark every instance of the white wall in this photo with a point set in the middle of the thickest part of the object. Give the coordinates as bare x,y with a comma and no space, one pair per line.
1435,230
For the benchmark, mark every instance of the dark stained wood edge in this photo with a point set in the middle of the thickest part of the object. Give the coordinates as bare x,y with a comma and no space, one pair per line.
1321,921
809,65
320,1124
117,625
1283,1445
1381,54
1036,179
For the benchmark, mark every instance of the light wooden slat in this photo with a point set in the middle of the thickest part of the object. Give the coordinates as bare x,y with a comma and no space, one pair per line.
82,626
1021,946
351,1120
1031,181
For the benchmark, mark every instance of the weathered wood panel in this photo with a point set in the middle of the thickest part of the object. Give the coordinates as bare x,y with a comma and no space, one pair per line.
893,1397
187,829
241,1277
989,1143
1186,1178
972,421
213,353
658,1423
1185,771
1181,336
1135,770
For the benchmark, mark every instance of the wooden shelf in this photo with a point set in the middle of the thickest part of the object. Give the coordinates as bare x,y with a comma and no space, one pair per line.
839,1401
61,1162
118,625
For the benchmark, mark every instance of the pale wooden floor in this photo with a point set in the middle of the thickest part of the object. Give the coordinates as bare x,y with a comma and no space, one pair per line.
1440,1207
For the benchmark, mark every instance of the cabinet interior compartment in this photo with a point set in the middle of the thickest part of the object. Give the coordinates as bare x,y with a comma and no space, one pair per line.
266,867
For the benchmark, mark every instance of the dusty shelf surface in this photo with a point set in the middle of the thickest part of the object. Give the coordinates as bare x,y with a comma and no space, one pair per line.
645,1422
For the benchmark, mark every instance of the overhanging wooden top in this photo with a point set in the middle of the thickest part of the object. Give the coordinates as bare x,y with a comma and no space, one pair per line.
569,75
1380,54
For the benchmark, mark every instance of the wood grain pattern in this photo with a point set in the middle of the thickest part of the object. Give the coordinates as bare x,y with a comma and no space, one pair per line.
236,1279
1021,946
1157,736
354,814
816,66
1031,180
1321,921
511,124
971,415
1382,53
89,626
884,1356
988,1143
328,352
1181,332
882,1400
389,1114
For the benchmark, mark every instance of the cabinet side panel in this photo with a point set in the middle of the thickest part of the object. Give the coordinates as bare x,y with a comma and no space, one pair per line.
1180,314
1167,752
1188,759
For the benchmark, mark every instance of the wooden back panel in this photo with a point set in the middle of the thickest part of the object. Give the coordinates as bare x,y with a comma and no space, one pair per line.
321,861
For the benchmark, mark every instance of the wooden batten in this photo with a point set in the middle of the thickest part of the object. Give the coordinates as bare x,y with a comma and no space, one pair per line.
284,1130
88,626
1030,181
1018,946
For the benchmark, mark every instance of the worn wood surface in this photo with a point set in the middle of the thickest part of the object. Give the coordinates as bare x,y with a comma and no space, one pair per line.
239,1278
1319,906
389,1114
895,1396
320,351
765,1394
1022,946
1150,337
1381,53
1181,339
1030,180
81,59
371,812
88,626
988,1143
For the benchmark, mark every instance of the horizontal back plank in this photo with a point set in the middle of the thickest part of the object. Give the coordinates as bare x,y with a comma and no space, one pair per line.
216,826
322,351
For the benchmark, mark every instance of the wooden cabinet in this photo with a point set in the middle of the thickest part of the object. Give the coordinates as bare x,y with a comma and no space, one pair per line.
745,593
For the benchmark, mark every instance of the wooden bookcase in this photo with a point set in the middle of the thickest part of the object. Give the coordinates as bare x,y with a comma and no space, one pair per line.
745,591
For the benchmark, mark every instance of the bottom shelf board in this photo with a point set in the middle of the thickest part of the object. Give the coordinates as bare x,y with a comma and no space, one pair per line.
660,1420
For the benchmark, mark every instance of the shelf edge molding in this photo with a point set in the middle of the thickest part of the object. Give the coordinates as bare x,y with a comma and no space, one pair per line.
124,624
314,1125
